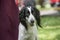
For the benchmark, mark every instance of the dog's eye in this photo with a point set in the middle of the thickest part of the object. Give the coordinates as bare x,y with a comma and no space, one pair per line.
32,11
27,15
28,12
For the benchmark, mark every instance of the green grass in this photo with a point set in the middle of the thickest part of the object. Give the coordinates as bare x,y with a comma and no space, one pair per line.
50,20
49,34
51,28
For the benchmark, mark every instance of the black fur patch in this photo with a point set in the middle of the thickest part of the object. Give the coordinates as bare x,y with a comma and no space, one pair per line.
24,12
37,15
22,17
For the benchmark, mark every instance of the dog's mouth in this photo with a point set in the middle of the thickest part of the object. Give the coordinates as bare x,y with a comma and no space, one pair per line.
32,24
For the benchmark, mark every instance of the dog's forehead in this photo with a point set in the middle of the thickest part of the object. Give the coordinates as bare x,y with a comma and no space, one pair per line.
29,8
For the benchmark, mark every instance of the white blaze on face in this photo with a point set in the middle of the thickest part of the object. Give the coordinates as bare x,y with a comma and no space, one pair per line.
31,17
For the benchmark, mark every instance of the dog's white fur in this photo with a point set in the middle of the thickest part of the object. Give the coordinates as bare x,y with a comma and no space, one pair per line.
31,33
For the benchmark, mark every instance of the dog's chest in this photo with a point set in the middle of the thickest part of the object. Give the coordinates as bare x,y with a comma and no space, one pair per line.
30,34
31,31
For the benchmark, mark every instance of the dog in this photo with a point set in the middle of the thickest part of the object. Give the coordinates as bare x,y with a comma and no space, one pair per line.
29,20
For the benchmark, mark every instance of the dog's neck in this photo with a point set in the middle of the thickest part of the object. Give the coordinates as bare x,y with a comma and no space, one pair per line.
31,28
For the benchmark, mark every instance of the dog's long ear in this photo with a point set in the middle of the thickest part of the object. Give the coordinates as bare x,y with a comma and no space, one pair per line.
22,17
37,16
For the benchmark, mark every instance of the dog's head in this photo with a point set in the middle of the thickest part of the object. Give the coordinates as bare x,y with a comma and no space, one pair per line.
29,15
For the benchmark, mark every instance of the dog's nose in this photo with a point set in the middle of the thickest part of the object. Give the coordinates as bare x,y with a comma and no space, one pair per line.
32,21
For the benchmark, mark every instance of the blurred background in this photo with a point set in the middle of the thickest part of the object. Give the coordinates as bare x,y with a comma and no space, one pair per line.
50,18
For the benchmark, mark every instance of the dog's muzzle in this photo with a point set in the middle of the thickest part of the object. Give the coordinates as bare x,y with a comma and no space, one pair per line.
32,23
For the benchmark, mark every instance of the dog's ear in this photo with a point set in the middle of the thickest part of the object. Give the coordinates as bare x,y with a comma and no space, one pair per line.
22,17
37,16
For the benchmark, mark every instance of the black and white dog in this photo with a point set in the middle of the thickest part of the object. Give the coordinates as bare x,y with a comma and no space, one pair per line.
29,19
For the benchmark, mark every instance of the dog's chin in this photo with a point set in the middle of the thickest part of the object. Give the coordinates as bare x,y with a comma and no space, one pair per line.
32,24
